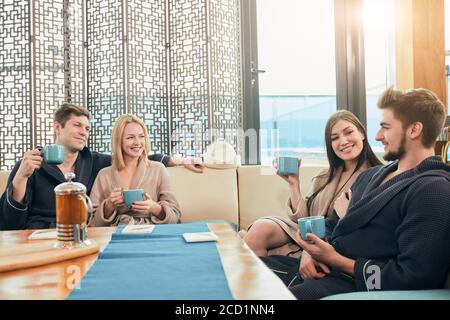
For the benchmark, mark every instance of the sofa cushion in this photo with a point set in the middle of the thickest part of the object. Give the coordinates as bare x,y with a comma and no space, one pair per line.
210,195
232,225
3,180
263,193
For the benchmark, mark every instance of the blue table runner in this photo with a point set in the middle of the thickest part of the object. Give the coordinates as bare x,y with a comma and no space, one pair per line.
160,265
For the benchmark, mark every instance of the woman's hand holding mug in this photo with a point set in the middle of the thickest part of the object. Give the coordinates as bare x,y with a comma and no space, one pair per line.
116,198
293,180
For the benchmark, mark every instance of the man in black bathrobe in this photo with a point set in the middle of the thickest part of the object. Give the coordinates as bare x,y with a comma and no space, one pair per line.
396,232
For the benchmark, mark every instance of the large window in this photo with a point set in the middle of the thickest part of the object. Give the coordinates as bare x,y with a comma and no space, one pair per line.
313,57
379,60
297,91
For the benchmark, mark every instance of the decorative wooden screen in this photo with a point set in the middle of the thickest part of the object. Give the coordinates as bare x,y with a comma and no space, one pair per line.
57,55
225,70
205,74
15,84
147,69
174,63
42,66
105,69
189,76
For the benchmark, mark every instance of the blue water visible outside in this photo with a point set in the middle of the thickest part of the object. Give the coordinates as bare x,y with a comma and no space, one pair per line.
295,125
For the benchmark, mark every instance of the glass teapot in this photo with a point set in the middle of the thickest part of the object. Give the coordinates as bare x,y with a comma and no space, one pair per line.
73,209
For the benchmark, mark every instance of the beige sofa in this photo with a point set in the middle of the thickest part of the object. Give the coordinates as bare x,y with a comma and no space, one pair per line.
239,196
3,180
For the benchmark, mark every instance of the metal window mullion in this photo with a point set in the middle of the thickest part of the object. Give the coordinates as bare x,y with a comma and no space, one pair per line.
250,88
349,50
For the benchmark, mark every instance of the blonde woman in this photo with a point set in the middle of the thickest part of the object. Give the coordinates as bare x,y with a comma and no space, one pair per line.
132,170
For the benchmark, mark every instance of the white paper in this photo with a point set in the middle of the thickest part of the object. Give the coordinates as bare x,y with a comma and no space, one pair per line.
138,229
200,236
43,234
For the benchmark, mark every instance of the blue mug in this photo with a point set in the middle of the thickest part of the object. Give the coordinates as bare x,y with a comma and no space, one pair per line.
314,224
287,166
132,195
53,154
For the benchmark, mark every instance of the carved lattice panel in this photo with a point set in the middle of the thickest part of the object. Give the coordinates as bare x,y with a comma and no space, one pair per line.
174,63
49,66
225,56
58,61
147,71
105,54
15,92
189,94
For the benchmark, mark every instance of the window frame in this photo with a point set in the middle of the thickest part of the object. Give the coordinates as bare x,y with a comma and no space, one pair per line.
350,76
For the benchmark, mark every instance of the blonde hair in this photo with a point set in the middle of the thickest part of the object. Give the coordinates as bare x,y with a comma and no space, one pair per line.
116,140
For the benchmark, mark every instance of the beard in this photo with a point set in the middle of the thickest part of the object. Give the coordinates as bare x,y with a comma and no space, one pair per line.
74,147
399,153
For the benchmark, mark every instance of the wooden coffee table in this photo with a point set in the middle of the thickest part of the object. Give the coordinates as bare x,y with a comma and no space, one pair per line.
247,276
